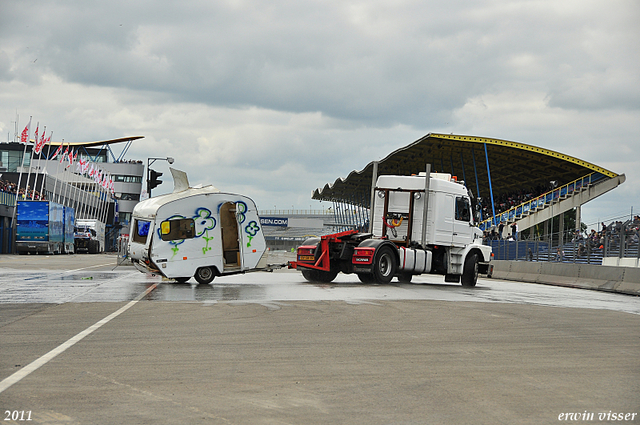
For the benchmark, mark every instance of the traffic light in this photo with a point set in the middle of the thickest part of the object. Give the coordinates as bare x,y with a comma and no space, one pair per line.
154,180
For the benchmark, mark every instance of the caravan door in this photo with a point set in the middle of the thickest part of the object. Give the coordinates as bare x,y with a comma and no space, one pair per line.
252,242
230,229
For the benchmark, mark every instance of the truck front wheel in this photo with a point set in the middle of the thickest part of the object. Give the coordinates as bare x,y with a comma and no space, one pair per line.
385,265
204,275
470,271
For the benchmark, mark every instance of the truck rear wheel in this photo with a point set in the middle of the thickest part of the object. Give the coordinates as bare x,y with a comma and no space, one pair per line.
319,275
204,275
470,271
405,277
385,265
366,278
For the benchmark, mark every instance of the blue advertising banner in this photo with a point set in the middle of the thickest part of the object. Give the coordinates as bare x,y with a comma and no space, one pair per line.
275,221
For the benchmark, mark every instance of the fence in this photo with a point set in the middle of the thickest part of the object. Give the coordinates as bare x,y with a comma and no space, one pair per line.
571,248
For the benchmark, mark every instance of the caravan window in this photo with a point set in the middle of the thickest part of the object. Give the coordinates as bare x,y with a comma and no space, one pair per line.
173,230
141,231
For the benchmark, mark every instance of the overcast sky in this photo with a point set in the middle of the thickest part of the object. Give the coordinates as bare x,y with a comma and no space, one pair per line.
274,99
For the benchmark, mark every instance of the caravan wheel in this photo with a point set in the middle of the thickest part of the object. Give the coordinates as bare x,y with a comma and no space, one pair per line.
204,275
181,279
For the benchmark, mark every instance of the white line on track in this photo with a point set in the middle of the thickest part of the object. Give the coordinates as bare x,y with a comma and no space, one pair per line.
88,267
33,366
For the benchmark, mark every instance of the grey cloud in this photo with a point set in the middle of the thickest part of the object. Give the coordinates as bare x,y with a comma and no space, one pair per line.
363,62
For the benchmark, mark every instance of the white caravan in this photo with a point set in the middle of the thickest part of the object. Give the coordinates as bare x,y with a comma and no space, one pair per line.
197,232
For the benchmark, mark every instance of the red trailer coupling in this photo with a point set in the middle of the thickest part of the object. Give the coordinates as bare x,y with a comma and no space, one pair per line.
317,257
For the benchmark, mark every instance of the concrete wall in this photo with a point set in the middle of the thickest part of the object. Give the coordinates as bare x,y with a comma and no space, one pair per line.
622,262
624,280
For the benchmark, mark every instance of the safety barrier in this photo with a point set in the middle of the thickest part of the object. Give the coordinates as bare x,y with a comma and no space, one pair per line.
624,280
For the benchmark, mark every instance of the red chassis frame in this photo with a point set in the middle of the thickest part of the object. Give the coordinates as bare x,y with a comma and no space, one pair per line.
322,263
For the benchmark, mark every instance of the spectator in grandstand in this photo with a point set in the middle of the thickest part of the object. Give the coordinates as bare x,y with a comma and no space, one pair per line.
559,254
577,236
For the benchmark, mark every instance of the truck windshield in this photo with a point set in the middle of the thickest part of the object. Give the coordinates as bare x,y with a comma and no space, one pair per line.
141,231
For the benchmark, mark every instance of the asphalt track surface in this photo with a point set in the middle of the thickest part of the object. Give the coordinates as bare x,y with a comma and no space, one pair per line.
83,341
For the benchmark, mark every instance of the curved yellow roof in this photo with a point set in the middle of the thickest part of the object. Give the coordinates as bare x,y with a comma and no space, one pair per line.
513,166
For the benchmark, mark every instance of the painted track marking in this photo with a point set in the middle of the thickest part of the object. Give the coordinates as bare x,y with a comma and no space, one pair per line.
33,366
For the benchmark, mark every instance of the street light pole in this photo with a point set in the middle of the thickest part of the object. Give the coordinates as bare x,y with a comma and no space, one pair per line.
150,162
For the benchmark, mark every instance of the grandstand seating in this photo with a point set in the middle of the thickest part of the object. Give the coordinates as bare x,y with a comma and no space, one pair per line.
511,250
543,201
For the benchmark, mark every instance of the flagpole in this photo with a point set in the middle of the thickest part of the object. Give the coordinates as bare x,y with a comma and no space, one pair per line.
96,199
99,213
44,177
83,196
75,186
66,171
24,138
26,185
55,184
89,202
108,203
37,146
107,200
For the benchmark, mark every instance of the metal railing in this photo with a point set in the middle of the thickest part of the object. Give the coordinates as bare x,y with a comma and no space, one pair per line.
267,213
571,248
543,201
8,199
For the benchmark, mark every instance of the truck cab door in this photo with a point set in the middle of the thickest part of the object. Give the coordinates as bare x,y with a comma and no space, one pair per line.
443,210
462,228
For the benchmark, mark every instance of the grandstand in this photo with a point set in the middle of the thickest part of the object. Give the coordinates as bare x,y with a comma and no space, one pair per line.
515,184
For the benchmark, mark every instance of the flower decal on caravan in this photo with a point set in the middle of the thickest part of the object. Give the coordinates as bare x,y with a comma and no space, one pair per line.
251,230
241,208
204,223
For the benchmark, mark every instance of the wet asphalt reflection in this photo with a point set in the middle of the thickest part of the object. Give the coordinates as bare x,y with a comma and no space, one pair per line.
125,284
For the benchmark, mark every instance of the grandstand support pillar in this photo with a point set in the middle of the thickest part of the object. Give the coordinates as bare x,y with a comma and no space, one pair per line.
475,171
493,208
374,178
578,218
546,231
464,175
561,230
